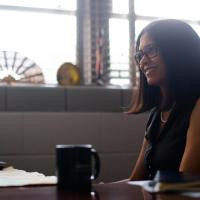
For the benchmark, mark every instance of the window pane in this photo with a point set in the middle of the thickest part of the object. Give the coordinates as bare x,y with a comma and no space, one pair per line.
180,9
54,4
139,25
119,48
48,39
120,81
120,6
196,28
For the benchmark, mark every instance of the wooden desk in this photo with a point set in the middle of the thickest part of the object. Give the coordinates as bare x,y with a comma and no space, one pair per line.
119,191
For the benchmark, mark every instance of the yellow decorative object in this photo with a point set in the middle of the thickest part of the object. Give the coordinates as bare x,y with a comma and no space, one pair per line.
68,74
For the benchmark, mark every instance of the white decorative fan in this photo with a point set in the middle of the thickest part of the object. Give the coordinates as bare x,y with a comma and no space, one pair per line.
15,67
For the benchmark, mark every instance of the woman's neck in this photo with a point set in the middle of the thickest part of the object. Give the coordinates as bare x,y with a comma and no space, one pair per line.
166,100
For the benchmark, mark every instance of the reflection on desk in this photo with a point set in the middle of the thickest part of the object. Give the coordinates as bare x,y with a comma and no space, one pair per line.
100,192
172,197
114,191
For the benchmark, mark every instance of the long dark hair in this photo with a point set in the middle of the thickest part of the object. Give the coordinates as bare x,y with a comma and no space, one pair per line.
179,46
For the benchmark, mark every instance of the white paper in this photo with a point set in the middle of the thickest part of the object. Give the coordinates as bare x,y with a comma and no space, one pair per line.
148,185
152,186
15,177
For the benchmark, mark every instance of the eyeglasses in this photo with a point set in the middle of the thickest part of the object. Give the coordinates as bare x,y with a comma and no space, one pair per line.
150,51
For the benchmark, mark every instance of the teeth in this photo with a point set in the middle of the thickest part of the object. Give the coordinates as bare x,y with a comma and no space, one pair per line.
148,69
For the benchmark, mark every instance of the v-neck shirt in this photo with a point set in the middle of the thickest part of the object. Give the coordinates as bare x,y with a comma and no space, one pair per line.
166,144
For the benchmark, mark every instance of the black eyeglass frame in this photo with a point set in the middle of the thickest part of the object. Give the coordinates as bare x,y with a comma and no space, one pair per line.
150,51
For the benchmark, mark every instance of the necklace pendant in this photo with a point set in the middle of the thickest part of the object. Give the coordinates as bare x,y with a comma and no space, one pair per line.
162,119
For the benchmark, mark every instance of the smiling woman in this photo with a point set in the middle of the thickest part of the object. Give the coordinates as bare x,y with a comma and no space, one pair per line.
169,88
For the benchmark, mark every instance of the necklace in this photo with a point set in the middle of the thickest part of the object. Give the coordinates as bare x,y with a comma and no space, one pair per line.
161,118
161,115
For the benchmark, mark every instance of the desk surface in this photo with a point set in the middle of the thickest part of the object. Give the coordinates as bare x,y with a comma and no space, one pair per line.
118,191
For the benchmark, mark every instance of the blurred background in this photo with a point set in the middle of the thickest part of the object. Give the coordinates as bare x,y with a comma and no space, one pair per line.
95,35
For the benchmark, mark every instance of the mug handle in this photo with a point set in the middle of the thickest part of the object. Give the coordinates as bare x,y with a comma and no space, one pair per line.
96,164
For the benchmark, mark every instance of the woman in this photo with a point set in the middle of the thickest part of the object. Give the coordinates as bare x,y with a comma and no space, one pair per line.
168,57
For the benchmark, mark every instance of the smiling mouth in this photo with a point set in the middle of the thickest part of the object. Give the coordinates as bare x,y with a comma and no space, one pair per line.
149,69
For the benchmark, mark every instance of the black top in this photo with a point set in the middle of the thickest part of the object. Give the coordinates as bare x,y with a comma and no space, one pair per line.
166,145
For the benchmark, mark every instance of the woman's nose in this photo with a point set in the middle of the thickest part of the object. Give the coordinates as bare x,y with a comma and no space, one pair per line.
143,61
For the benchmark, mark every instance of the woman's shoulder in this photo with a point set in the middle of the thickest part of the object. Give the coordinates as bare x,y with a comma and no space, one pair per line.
197,106
195,116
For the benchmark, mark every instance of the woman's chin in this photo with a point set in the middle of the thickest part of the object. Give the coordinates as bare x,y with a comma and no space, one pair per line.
152,82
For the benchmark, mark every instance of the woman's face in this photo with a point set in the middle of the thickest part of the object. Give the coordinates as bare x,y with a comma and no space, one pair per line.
151,62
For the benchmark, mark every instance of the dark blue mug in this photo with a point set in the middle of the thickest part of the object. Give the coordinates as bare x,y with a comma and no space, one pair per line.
77,165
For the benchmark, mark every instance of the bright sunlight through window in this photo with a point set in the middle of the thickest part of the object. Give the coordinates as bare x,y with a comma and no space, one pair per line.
47,38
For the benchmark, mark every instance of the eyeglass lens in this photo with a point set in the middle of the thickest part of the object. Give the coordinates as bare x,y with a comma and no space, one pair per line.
150,51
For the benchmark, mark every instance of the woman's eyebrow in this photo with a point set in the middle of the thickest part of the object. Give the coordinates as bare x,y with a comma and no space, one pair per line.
146,46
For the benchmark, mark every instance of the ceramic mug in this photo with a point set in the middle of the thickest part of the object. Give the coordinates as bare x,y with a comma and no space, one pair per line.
77,165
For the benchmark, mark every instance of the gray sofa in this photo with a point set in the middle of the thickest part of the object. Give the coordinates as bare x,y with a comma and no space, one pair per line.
61,99
33,119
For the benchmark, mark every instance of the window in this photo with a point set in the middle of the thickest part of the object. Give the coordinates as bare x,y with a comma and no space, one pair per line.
119,48
179,9
52,32
50,4
146,11
119,51
120,6
44,30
